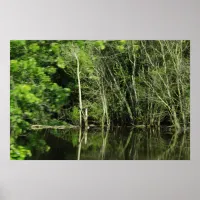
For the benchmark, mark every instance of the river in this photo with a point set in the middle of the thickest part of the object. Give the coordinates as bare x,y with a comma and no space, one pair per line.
116,144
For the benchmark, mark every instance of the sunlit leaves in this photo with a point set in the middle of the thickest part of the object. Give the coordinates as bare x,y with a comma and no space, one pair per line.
23,93
18,152
120,48
14,65
136,47
34,96
68,90
60,62
34,47
55,47
50,70
100,44
122,42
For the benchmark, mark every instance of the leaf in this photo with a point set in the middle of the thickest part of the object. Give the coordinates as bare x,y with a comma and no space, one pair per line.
60,63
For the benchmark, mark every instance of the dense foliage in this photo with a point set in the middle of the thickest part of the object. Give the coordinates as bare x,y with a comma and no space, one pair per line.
106,83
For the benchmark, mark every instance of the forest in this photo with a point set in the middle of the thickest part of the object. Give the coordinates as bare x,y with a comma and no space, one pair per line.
99,99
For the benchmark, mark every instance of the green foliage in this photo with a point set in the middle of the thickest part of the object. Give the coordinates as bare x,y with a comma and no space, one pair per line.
18,152
100,44
74,140
34,96
60,62
34,47
37,143
120,48
55,47
95,111
126,81
75,115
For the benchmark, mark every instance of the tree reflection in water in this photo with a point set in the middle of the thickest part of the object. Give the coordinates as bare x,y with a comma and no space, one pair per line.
116,144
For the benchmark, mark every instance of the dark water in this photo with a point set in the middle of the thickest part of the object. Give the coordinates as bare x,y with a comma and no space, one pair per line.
116,144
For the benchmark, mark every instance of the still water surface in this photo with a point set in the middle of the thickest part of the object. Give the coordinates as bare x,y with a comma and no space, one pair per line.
118,144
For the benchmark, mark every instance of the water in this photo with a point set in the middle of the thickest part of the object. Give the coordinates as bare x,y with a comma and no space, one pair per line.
116,144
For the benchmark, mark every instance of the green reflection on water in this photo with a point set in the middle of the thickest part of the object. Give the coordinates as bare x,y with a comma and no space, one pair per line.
116,144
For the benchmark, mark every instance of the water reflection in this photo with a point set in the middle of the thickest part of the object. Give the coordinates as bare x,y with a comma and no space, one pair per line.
116,144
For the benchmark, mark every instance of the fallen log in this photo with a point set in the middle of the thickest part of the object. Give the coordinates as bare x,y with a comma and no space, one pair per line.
39,127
